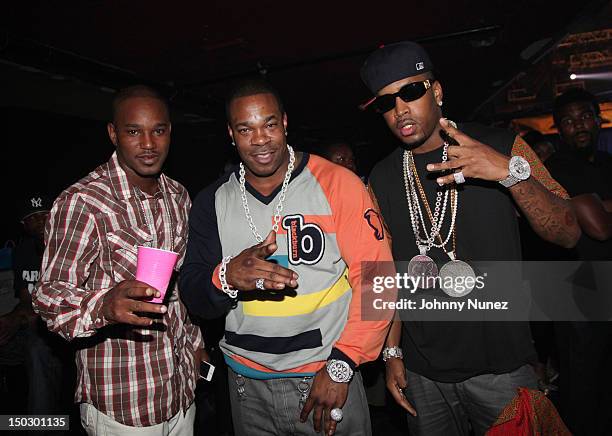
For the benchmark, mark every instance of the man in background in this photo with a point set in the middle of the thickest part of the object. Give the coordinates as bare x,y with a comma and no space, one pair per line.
27,257
583,170
585,348
46,355
340,153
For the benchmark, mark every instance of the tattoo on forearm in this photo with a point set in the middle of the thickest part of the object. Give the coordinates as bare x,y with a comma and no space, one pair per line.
551,217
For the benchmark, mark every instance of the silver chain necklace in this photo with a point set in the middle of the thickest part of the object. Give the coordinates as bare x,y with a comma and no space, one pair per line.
150,226
422,264
436,225
416,213
281,198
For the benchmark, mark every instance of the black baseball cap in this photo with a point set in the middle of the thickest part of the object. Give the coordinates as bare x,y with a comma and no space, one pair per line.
32,204
394,62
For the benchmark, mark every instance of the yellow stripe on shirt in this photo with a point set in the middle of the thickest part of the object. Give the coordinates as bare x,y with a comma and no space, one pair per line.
300,304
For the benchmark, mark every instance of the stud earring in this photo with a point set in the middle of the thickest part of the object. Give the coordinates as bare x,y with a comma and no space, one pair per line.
440,103
233,143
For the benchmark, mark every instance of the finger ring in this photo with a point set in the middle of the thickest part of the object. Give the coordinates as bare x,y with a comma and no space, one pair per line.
336,414
259,284
459,177
452,123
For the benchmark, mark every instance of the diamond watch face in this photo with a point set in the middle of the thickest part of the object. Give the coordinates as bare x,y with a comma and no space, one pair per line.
519,168
392,352
339,371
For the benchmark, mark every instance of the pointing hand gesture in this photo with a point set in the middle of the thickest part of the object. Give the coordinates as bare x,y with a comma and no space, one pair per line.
250,265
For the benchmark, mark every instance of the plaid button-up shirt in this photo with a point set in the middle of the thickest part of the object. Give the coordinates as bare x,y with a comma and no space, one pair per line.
137,376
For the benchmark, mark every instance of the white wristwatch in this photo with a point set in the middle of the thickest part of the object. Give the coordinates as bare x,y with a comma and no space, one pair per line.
339,371
389,352
519,170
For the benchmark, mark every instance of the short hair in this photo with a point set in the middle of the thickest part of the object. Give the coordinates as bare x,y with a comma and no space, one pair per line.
574,95
135,91
248,87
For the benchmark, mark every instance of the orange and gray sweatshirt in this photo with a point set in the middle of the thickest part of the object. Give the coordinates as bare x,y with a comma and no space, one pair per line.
327,230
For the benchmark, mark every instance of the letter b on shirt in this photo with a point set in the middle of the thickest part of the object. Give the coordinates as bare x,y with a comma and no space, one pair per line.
305,241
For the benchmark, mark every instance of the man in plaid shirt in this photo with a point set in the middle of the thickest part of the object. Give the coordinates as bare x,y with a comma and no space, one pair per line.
138,370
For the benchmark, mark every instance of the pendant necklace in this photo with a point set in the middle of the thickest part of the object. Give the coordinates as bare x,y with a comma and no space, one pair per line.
422,265
455,268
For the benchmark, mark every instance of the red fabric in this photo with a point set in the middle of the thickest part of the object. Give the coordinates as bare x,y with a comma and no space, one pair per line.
530,413
521,423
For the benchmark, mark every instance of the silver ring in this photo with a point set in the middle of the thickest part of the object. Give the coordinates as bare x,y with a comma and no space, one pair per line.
259,284
336,414
451,122
459,177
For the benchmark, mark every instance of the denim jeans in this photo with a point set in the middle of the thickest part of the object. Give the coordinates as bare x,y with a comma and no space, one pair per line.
449,409
45,360
273,407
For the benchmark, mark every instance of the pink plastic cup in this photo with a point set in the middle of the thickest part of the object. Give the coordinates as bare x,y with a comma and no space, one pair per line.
155,268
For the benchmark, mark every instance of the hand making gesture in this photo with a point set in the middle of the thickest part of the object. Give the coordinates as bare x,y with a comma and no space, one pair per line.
250,270
469,159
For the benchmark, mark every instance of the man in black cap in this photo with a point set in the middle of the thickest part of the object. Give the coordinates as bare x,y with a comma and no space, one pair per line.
455,375
27,257
45,352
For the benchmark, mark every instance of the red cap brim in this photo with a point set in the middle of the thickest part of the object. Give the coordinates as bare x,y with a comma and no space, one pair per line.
365,105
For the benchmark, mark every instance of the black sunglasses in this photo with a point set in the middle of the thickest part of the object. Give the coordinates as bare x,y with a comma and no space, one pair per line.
409,92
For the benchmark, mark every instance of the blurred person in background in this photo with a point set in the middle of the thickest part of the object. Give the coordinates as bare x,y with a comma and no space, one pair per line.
340,153
585,348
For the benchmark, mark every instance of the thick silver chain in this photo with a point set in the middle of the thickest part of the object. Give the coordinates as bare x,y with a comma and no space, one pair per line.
416,213
437,225
281,198
414,205
233,293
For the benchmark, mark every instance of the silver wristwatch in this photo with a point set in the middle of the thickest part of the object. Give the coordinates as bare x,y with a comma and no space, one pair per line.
339,371
519,170
389,352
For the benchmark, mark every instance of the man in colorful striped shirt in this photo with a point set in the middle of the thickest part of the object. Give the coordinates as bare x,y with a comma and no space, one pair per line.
294,333
137,360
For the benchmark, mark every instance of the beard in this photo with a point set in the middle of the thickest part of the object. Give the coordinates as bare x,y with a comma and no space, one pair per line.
586,151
